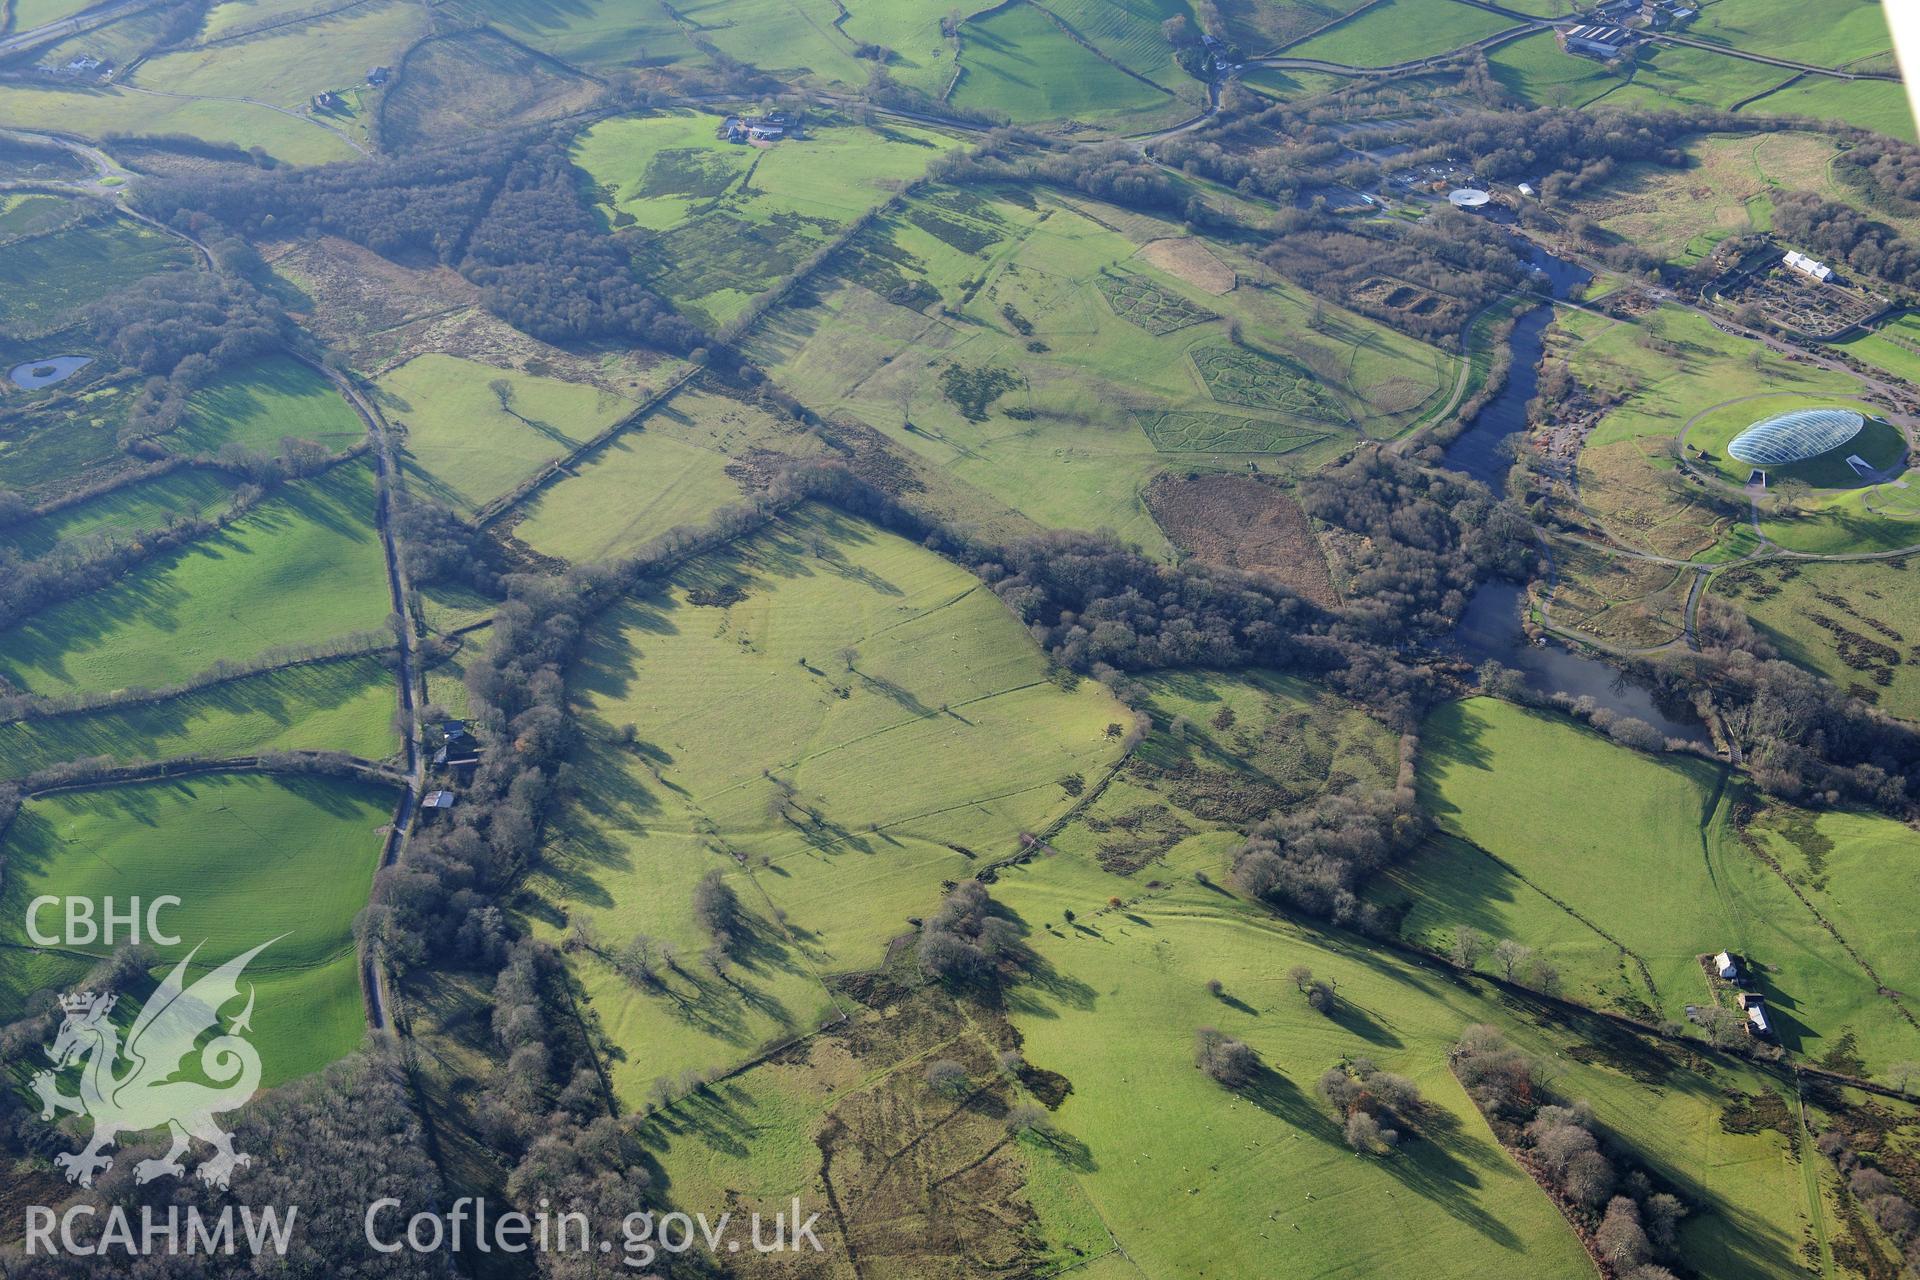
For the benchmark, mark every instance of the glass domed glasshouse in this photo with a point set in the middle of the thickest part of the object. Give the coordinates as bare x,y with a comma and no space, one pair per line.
1795,437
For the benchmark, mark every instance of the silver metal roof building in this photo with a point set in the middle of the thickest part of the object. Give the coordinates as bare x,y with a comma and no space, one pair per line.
1469,198
1796,436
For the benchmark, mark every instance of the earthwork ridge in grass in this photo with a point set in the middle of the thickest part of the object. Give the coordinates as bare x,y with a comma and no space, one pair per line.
812,711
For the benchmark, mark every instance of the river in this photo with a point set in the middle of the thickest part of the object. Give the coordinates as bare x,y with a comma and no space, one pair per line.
1491,626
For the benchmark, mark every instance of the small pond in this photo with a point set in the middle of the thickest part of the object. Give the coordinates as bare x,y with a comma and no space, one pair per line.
44,373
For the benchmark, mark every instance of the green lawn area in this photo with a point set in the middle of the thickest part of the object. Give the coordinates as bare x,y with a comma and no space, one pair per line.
1101,389
671,472
1676,77
289,64
46,282
252,859
721,240
304,566
1538,72
95,111
257,405
28,14
1114,1010
1287,86
1019,61
1871,104
593,32
754,739
1547,815
345,705
1401,31
464,447
1894,346
1848,30
148,504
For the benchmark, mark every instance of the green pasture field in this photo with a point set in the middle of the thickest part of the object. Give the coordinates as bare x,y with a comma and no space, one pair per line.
28,14
671,472
304,566
593,32
47,281
1893,347
923,55
945,735
1844,522
146,505
1675,77
1263,25
259,404
48,452
1017,60
474,82
796,40
1547,814
343,705
1544,8
1848,30
92,112
1401,31
447,606
1670,366
1129,32
252,858
30,213
226,17
1853,622
1114,1011
289,64
1871,104
723,237
1091,403
1538,72
463,448
1289,86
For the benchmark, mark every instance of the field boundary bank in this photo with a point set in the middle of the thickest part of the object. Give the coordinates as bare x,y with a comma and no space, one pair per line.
293,763
1067,29
1753,846
1537,1176
494,510
1348,16
1442,966
204,681
1646,974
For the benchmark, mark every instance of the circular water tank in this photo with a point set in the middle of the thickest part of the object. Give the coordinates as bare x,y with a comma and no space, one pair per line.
1469,198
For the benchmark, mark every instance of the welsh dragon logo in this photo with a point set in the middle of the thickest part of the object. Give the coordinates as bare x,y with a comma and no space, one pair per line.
131,1088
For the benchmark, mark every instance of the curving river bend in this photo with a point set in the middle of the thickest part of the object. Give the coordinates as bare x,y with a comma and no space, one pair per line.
1491,626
